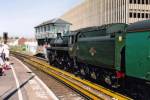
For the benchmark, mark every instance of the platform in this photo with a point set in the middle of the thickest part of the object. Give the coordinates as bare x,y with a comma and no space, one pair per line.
20,83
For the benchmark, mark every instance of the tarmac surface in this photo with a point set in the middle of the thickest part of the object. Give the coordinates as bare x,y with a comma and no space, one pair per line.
20,83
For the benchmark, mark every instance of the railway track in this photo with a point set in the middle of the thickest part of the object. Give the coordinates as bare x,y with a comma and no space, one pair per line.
86,88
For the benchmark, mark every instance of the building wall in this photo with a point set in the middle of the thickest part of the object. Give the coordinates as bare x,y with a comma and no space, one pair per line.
22,41
31,47
99,12
139,10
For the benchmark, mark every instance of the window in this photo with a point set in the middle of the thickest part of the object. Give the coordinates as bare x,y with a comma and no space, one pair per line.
143,1
134,15
142,15
48,27
131,1
146,15
138,1
146,1
44,28
134,1
138,15
41,29
130,14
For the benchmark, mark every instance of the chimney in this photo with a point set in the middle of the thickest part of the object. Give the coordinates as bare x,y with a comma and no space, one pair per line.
58,35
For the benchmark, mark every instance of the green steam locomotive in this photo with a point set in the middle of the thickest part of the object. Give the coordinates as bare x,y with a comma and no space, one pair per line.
117,54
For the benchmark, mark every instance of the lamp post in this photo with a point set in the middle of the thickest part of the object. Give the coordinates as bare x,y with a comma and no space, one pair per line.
5,37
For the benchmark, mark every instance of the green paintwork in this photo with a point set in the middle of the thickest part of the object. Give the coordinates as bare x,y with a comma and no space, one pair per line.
106,47
138,54
104,55
118,48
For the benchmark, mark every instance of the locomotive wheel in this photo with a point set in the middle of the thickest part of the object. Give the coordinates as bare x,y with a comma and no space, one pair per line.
82,71
111,80
93,75
108,80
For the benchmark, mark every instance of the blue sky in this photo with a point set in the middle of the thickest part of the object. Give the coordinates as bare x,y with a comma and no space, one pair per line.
18,17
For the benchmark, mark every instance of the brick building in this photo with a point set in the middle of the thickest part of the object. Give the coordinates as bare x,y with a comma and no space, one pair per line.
22,41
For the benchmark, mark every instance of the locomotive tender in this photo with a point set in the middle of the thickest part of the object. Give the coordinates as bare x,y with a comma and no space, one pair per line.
117,54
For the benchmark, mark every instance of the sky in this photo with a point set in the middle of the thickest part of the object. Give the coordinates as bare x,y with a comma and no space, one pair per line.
19,17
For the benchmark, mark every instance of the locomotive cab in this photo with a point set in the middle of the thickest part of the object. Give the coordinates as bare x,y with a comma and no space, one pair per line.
72,43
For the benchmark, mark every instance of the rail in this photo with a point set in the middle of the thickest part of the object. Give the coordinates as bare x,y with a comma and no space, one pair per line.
86,88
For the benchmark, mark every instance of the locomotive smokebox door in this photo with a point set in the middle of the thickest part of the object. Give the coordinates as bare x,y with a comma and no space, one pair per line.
5,37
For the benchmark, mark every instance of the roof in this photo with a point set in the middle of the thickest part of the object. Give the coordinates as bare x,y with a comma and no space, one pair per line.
111,28
139,26
53,21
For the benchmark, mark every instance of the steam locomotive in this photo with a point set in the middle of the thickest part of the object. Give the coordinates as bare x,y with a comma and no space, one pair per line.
117,54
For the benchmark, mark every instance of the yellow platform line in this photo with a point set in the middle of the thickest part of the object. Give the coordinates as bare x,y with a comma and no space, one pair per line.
75,86
95,86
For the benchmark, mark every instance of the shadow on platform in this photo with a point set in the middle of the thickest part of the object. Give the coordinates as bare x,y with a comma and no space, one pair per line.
7,96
